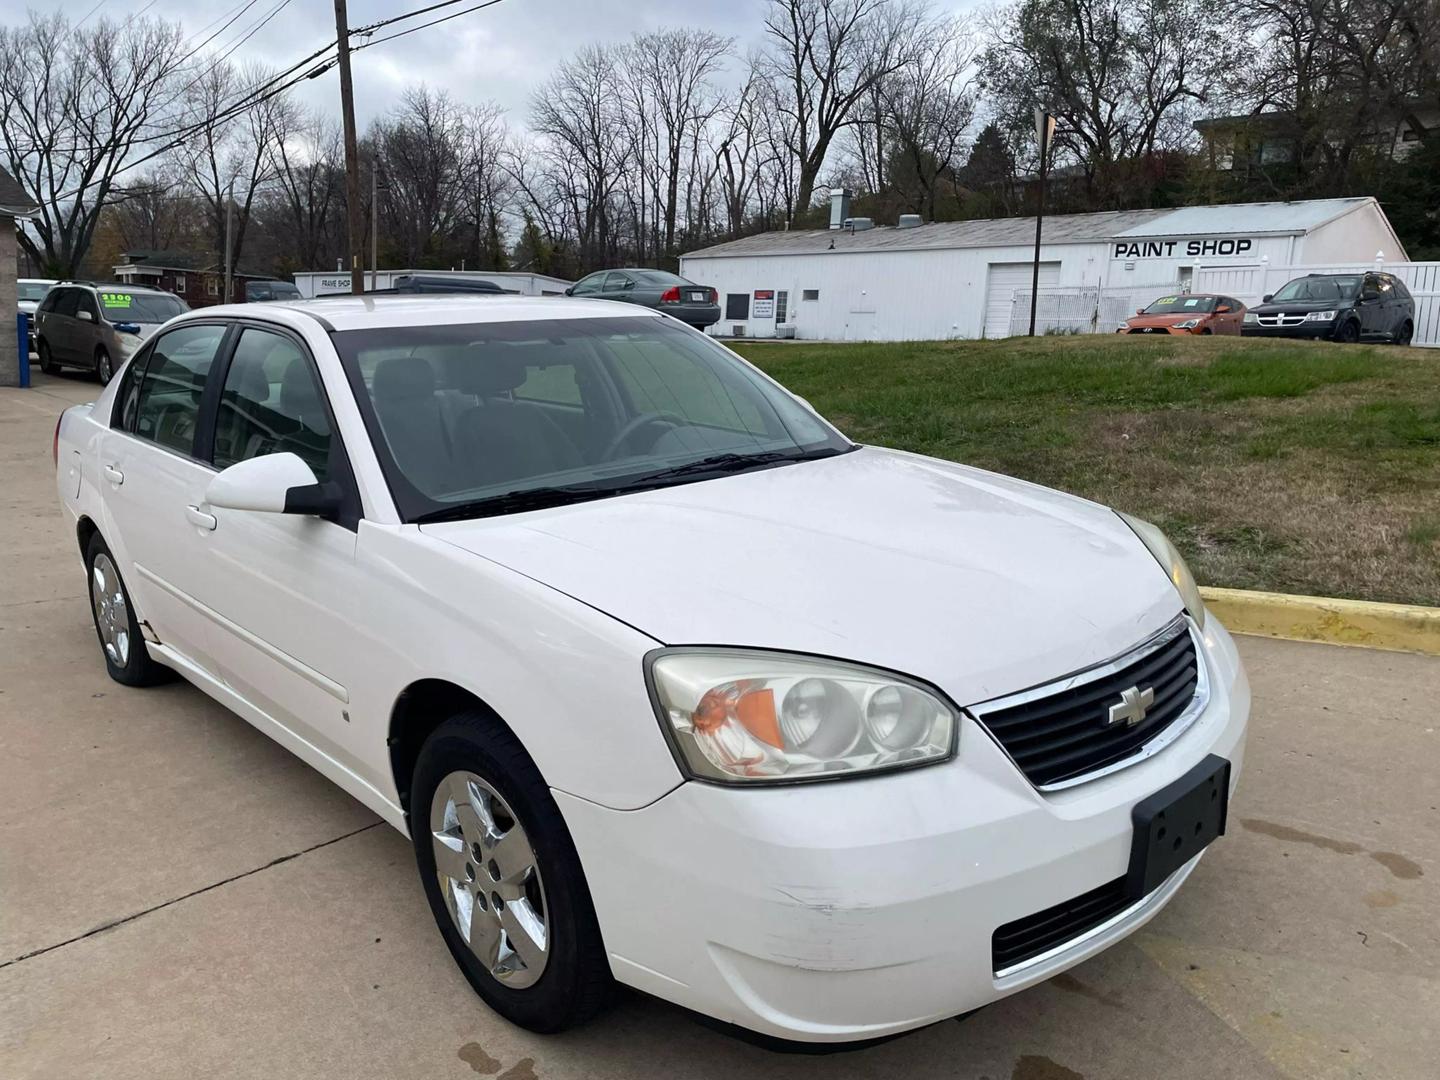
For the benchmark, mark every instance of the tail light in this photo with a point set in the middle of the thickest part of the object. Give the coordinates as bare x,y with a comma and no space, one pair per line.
671,295
55,442
714,296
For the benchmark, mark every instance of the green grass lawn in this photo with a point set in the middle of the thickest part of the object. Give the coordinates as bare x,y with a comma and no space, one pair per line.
1307,468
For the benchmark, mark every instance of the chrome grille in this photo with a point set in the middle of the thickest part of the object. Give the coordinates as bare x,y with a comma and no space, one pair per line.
1085,725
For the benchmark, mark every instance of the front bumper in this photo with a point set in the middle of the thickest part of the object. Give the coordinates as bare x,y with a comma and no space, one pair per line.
1157,331
857,909
1307,331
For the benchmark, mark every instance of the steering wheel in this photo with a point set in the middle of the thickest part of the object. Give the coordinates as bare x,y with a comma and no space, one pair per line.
635,424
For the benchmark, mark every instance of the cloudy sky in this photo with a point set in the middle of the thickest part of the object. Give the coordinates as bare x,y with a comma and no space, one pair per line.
498,54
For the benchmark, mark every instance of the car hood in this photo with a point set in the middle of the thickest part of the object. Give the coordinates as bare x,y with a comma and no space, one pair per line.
28,306
1167,320
976,582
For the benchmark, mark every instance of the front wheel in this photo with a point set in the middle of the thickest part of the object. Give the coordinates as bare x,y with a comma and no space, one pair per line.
1349,333
503,878
103,369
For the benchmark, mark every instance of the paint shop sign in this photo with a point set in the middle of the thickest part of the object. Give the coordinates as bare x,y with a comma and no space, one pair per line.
1190,249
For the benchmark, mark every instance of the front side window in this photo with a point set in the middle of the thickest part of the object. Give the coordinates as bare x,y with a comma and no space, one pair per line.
271,404
67,302
588,286
497,417
168,406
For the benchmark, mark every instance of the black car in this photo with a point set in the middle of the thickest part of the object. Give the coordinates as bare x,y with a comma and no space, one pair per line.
698,305
1337,307
439,283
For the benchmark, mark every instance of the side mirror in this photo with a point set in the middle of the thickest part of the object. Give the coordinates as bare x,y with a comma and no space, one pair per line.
273,484
1267,298
1139,311
1371,294
84,316
1222,309
570,291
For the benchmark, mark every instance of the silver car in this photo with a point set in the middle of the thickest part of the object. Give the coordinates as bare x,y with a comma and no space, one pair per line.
28,294
99,327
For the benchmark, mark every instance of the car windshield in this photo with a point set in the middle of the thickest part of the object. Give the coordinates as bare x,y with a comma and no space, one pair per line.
273,290
122,305
658,277
479,419
31,290
1306,289
1181,305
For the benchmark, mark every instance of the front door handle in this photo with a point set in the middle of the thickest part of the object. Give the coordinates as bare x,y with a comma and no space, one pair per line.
199,518
114,475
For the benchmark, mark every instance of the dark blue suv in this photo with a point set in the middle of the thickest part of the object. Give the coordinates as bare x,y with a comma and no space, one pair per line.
1374,306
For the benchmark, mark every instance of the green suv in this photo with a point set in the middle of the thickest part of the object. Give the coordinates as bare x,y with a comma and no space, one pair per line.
99,327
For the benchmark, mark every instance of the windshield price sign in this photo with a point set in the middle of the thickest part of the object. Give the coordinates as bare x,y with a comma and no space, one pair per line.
116,299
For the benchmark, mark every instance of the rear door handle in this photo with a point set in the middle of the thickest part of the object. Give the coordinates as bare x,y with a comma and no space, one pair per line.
199,518
114,475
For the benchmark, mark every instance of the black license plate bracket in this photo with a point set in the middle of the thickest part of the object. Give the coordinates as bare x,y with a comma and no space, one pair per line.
1176,823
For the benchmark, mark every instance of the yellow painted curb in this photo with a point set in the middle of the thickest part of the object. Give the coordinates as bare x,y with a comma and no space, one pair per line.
1398,627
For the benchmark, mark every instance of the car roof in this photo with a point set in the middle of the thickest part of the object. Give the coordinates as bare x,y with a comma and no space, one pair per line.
372,312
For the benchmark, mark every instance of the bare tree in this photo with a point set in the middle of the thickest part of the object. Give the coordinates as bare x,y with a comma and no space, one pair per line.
75,102
228,159
306,197
825,57
420,147
485,143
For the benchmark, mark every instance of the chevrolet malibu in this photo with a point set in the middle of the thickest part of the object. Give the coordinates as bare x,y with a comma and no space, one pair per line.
669,682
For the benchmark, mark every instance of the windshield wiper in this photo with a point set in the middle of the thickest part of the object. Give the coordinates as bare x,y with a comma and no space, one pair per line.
515,502
720,464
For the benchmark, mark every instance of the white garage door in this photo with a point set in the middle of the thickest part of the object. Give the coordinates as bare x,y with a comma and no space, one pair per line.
1006,279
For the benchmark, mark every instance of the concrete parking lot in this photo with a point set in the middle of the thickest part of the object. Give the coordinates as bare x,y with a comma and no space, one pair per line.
179,897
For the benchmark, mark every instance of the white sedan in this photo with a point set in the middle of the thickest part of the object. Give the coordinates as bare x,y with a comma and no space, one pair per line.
670,683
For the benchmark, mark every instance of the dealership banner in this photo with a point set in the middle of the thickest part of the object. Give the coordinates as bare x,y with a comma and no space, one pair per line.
1190,249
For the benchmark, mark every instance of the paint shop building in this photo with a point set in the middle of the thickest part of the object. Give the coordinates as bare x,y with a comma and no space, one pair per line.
967,279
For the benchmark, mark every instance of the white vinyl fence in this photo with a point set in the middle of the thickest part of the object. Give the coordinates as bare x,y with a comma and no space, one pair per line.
1099,309
1083,309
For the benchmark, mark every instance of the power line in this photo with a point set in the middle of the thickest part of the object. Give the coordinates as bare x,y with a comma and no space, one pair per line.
422,26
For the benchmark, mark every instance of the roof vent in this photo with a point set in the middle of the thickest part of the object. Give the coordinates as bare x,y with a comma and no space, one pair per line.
859,224
909,221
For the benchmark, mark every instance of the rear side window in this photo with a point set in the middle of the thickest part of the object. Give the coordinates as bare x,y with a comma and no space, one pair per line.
167,409
271,404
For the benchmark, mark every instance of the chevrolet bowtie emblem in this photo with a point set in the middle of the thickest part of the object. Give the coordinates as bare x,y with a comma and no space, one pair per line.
1134,704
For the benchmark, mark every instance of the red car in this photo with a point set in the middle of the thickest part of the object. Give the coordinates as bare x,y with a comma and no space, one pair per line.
1187,313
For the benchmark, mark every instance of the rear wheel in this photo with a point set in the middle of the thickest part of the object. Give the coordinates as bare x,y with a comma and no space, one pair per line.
103,368
47,359
1349,332
503,878
116,625
1406,334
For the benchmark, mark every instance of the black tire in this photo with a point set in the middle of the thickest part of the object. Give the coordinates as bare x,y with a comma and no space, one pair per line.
1349,332
575,983
1206,331
104,369
47,359
133,665
1406,334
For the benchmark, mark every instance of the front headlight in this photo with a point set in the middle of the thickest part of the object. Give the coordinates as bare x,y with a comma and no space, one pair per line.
1320,316
1251,317
1170,560
739,715
1188,324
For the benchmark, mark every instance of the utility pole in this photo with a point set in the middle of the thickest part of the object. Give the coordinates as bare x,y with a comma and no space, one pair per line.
229,244
1045,128
374,222
356,226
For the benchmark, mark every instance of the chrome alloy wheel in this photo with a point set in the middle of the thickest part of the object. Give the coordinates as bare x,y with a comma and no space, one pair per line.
112,615
490,880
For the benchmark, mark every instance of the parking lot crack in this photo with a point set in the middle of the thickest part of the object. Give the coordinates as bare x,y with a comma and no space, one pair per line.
103,927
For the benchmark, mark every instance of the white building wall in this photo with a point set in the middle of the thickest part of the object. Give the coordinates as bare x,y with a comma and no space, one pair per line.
1354,238
921,295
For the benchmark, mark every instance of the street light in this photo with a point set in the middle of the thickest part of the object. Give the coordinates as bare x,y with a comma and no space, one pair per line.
1045,130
